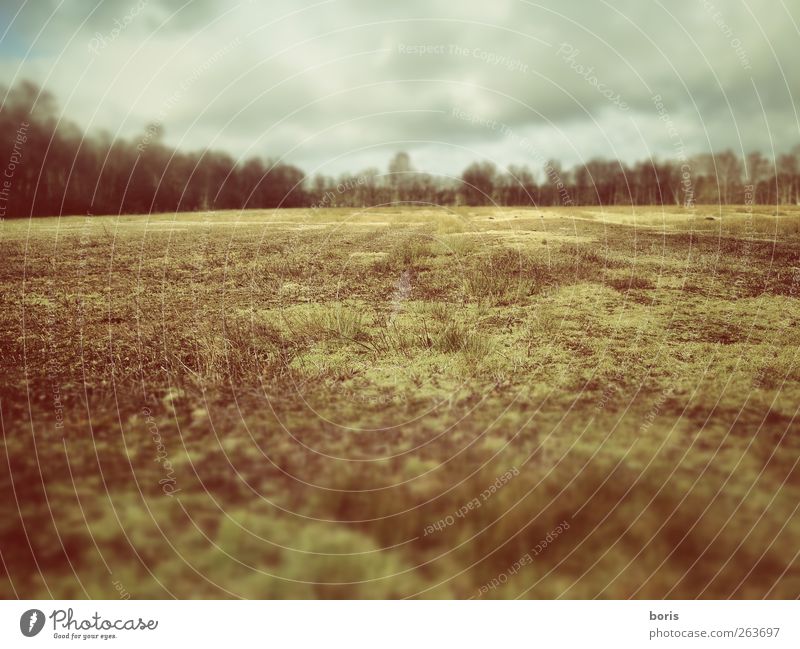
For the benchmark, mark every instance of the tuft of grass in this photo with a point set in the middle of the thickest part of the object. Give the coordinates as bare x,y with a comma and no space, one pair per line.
452,338
309,324
460,338
462,245
451,224
439,311
344,321
630,283
504,277
355,370
410,252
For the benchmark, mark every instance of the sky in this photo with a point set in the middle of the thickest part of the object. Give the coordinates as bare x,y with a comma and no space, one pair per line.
340,85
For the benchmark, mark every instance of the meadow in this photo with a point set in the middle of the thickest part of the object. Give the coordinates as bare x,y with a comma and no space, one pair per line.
402,402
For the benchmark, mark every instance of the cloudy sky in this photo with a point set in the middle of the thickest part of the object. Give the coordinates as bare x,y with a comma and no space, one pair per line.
339,85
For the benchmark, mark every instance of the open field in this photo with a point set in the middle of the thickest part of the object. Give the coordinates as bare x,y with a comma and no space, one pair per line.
402,402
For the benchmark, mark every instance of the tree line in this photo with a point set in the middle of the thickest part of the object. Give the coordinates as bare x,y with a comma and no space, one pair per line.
51,167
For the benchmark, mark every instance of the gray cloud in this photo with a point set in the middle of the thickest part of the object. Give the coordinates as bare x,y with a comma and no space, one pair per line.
341,84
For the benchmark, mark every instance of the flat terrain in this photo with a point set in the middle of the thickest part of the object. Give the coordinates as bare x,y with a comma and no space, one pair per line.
402,402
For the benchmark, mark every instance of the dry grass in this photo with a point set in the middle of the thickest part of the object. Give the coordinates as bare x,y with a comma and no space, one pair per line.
327,384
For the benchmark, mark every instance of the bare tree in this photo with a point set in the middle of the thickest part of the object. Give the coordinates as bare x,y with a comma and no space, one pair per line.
477,183
400,171
56,169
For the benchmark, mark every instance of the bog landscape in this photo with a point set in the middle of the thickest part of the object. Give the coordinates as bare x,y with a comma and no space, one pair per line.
356,300
399,402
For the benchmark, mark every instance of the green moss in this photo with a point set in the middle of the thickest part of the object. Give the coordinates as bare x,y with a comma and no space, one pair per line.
328,386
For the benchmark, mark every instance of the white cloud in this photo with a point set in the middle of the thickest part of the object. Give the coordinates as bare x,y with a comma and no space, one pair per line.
331,84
